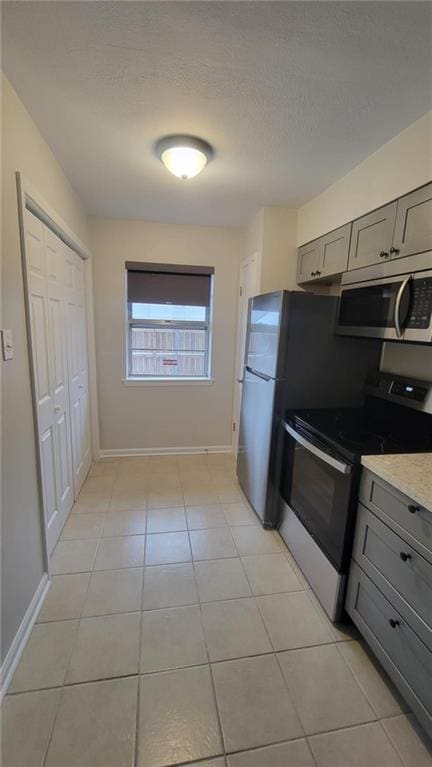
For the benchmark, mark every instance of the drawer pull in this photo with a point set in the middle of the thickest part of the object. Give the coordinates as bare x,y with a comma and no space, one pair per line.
394,624
404,557
413,509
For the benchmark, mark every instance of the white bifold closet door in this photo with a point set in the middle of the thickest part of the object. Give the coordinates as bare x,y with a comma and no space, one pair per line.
46,261
78,367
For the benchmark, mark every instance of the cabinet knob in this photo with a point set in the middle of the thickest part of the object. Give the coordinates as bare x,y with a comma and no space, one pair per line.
318,273
413,509
384,253
394,250
313,274
404,557
394,623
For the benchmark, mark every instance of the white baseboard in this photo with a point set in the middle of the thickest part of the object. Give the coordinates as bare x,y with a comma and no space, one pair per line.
17,647
165,451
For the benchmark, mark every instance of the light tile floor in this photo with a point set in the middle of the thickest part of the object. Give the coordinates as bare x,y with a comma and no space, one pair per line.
178,632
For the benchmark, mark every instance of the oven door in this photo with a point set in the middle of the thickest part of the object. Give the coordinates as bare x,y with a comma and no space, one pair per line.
395,309
320,488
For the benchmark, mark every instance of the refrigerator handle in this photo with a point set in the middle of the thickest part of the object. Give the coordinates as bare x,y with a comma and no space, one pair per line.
257,374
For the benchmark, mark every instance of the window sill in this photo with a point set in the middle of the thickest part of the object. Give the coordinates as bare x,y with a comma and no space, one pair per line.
158,382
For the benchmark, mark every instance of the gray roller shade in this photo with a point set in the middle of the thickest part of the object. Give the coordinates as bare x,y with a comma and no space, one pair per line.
168,284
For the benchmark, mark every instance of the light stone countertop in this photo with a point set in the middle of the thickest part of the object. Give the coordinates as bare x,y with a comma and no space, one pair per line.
411,473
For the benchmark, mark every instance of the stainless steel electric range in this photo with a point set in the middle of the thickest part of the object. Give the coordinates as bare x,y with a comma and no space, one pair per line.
322,466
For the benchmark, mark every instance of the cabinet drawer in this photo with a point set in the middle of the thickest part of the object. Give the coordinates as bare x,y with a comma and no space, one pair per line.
398,511
403,575
405,657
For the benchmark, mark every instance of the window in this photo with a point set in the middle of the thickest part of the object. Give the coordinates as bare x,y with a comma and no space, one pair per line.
169,311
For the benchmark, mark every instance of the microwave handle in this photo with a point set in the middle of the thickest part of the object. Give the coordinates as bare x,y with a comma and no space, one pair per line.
344,468
399,297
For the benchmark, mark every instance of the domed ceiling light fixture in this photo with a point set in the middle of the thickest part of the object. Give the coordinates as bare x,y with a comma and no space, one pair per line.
184,156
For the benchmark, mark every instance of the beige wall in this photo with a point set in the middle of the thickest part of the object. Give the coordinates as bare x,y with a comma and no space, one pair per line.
23,149
402,164
399,166
272,235
165,415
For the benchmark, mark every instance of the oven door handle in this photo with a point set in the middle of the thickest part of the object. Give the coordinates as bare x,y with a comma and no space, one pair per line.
344,468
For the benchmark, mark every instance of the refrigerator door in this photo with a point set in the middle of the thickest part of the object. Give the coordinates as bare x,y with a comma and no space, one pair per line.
263,331
255,439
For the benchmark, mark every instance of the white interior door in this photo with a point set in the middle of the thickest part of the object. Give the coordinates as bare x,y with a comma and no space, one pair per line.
78,367
37,294
247,288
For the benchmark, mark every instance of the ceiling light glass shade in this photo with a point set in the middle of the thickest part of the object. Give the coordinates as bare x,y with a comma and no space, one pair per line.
184,156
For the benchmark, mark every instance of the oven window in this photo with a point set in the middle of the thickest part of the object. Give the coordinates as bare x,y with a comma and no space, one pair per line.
320,496
369,307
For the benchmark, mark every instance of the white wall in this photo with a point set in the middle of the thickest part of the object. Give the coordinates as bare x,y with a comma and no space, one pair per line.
399,166
23,149
167,415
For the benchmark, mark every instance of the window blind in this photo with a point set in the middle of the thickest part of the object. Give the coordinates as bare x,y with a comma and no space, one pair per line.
168,284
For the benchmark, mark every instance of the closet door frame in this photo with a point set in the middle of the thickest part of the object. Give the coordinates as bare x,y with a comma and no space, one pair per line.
30,199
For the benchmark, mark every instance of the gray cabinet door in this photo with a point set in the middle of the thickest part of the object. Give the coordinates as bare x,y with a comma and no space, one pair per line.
413,230
309,259
335,250
372,237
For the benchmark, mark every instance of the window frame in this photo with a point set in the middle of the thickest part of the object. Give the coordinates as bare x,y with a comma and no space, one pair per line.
207,326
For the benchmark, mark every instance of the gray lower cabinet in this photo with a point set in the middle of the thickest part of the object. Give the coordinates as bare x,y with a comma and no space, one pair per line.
389,595
372,237
324,257
407,660
413,230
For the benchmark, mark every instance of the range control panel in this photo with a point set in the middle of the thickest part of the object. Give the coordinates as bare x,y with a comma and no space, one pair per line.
408,390
421,307
411,392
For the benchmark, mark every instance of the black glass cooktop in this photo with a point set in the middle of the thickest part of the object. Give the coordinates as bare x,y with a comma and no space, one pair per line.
379,427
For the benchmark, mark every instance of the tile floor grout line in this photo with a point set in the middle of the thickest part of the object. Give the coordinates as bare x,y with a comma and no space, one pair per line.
216,703
137,715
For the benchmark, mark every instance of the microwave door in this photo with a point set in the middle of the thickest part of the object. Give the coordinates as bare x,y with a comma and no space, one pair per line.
394,309
372,309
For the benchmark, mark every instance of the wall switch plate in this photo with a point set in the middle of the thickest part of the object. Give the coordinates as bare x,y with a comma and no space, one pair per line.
7,345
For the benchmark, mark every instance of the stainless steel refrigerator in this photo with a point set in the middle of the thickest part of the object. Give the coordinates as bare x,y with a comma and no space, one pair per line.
293,359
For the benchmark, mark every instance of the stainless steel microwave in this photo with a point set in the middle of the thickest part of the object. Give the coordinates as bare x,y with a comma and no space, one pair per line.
395,307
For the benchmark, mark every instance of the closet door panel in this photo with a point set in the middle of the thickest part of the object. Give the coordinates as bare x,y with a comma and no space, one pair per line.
38,311
54,251
78,369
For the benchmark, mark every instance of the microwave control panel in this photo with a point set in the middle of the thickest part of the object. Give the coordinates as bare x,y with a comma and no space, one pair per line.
421,307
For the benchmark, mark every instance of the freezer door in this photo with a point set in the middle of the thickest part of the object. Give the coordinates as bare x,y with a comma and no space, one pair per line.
262,345
256,429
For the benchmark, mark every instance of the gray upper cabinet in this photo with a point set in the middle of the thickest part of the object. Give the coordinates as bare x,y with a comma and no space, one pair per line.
372,237
401,228
324,257
413,230
308,261
334,251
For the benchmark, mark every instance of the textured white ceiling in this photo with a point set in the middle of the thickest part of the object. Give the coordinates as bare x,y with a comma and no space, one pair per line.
291,94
